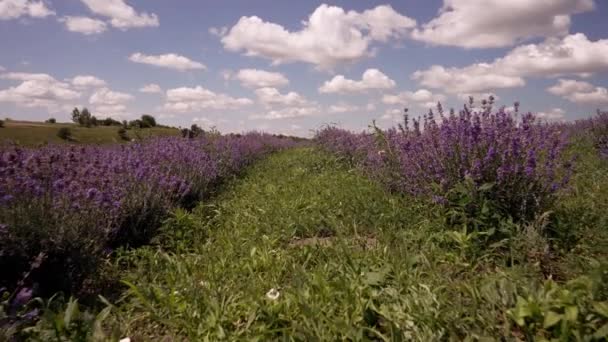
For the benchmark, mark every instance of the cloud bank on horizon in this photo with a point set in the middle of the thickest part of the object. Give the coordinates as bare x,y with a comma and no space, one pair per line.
291,68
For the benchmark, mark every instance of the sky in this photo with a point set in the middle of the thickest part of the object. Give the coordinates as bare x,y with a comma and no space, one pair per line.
294,66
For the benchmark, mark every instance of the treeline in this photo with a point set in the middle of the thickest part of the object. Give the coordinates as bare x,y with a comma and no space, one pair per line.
86,119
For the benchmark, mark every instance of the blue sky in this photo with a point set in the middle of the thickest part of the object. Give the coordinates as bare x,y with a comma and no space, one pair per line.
292,66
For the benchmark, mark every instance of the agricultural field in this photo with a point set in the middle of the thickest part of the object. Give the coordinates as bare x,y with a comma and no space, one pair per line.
304,170
29,133
255,237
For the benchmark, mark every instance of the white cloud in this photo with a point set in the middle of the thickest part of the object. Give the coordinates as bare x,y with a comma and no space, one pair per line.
329,37
421,98
343,108
86,81
170,61
12,9
272,96
204,121
84,25
555,114
393,115
218,31
186,99
122,16
580,92
38,90
109,103
254,78
371,79
151,88
571,55
288,113
475,78
483,24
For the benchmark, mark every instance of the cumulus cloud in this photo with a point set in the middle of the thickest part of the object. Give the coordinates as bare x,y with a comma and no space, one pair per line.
187,99
475,78
343,108
12,9
272,96
109,103
329,37
288,113
170,61
570,55
254,78
580,92
371,79
151,88
555,114
421,98
122,16
38,90
483,24
87,81
84,25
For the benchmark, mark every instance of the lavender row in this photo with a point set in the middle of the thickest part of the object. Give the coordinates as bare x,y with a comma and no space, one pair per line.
516,161
71,204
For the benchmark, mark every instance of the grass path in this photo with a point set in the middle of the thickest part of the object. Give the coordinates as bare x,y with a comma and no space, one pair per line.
303,248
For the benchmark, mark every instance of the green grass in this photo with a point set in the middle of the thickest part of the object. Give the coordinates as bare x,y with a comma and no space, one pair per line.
37,133
349,261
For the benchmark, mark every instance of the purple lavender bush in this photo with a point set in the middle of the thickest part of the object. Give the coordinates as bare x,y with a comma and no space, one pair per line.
64,208
599,129
479,158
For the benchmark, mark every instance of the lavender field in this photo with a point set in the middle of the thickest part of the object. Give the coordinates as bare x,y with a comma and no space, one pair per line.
352,170
458,203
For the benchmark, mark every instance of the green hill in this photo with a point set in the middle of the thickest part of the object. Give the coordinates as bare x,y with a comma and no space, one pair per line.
29,133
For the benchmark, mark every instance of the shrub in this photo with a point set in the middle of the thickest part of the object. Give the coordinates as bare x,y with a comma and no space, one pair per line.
1,123
65,133
51,121
122,134
483,158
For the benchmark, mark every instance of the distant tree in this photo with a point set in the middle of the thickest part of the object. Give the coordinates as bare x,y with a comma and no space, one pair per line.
86,118
125,124
93,121
148,120
76,116
51,120
64,133
135,124
110,122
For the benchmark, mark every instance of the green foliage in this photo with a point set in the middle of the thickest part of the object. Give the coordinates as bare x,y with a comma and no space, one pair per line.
69,321
575,311
148,121
65,133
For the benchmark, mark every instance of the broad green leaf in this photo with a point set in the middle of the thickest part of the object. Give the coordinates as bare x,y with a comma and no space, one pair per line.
551,319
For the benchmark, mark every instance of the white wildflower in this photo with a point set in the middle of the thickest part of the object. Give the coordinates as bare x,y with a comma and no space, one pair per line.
273,294
126,339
